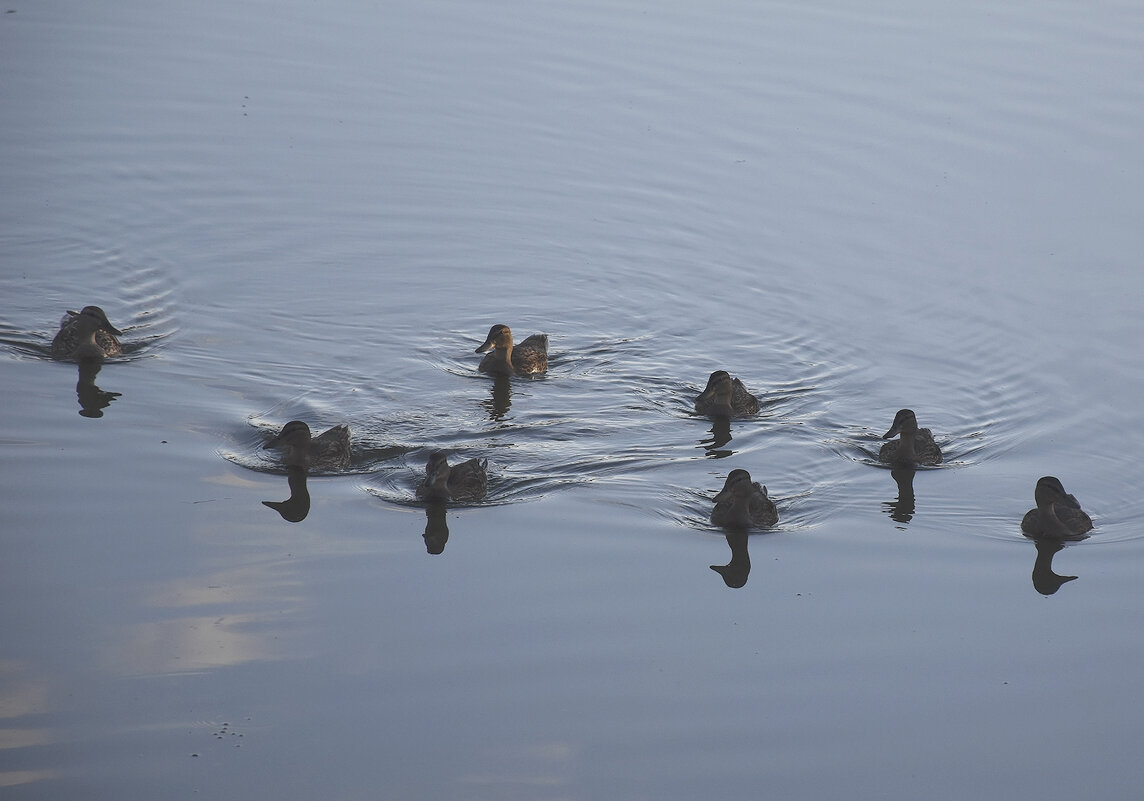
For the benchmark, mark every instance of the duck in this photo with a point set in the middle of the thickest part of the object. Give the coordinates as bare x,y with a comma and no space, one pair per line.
503,358
916,445
1058,515
329,450
467,481
86,335
725,396
743,503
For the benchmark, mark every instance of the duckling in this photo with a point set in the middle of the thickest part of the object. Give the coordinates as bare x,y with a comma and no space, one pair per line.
1058,515
916,445
743,503
725,397
86,335
329,450
466,481
526,358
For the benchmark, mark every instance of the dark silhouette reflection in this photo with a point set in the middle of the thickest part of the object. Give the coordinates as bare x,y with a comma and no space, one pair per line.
436,529
736,571
902,509
295,508
500,398
92,399
1045,581
720,436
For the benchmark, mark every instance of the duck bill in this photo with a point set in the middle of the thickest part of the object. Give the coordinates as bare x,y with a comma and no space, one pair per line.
486,347
109,328
893,432
274,443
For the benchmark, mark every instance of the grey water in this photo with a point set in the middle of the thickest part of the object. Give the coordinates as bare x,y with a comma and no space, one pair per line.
316,211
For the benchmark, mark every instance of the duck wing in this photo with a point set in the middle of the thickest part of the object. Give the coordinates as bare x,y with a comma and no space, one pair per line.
468,481
742,401
925,448
763,511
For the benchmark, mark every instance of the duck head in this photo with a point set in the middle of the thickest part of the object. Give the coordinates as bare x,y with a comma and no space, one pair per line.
499,337
737,485
295,434
905,422
1049,491
94,317
437,470
716,396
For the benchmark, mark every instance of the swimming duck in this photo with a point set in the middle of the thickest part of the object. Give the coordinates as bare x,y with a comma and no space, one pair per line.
86,335
725,397
1058,515
743,503
526,358
466,481
329,450
916,445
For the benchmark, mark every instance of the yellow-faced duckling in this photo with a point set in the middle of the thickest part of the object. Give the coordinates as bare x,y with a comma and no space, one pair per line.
916,445
725,396
86,335
467,481
329,450
503,358
743,503
1058,515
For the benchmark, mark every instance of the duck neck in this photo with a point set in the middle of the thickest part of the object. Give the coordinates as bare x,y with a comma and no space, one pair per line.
87,349
906,452
502,358
721,402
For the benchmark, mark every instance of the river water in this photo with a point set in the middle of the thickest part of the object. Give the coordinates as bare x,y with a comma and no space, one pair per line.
307,211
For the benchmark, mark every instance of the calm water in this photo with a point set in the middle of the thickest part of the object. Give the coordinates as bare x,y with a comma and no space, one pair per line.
316,212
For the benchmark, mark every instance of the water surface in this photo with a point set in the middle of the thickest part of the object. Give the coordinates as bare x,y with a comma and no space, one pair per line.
303,212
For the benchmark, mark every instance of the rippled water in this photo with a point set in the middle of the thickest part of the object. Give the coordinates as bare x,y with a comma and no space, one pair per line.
316,213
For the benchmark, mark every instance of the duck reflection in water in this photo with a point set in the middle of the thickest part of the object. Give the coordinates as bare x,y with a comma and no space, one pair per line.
467,481
329,450
436,529
902,509
720,436
295,508
725,397
500,398
1045,581
1057,520
915,446
736,571
92,399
